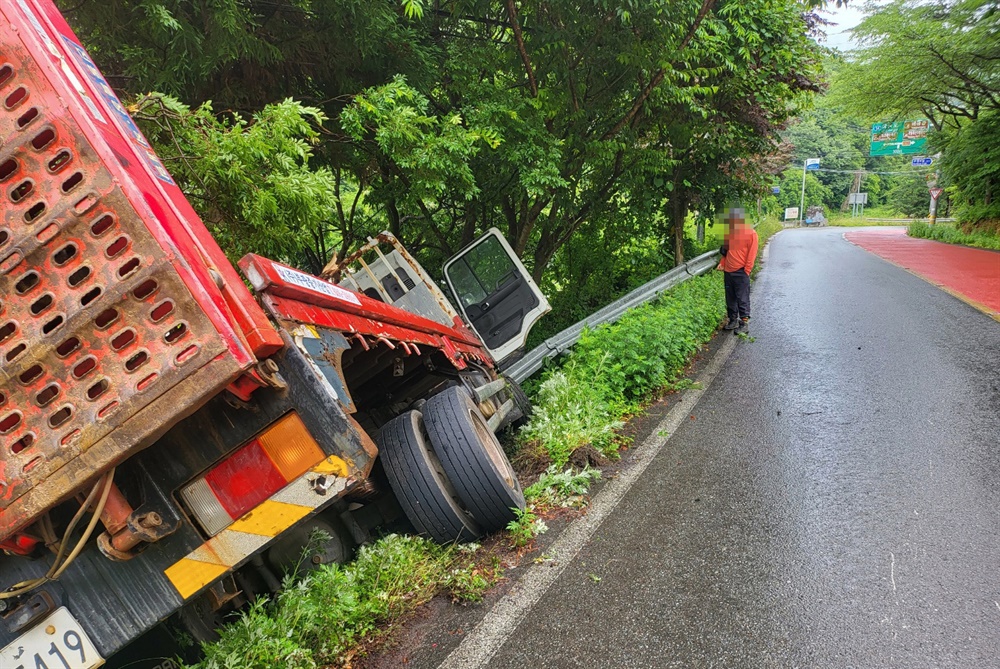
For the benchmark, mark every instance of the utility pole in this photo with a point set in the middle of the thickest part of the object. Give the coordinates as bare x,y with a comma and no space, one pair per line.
806,164
802,200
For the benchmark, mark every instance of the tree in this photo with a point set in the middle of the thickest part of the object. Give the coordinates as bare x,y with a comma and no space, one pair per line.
549,120
909,196
971,164
250,180
595,105
940,60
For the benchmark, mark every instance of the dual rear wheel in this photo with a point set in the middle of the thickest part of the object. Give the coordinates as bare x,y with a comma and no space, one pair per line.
448,470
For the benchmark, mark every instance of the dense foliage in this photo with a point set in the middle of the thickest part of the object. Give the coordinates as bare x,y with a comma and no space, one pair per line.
314,620
840,139
250,179
949,233
586,133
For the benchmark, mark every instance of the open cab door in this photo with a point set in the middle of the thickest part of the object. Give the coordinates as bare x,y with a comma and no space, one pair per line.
495,293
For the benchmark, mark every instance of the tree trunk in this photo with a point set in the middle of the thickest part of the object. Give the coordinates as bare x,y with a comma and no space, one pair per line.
394,223
678,212
543,254
469,226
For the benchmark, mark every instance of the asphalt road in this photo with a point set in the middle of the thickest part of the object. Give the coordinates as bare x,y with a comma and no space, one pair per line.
834,503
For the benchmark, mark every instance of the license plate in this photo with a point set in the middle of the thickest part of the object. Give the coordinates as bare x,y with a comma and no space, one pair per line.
58,642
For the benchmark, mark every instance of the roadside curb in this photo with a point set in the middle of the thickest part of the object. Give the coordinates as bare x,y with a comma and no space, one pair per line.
492,631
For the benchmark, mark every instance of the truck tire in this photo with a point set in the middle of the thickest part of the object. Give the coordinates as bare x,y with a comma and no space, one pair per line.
473,459
416,476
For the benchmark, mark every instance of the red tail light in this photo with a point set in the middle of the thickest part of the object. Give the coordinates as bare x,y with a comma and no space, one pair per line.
257,470
245,480
19,544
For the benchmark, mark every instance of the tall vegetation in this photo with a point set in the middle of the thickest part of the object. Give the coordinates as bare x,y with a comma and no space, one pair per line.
316,621
579,130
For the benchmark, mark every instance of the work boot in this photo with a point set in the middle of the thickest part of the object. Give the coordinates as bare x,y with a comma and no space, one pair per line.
732,324
742,326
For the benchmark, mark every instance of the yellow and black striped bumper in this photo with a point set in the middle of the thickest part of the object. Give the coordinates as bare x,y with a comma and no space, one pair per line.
252,532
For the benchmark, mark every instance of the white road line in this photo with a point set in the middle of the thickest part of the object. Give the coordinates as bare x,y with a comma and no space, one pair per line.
483,642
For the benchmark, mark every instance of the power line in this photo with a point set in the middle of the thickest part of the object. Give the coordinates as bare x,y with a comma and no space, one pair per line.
822,169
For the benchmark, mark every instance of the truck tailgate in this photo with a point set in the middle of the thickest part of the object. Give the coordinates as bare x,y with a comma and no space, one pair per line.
118,313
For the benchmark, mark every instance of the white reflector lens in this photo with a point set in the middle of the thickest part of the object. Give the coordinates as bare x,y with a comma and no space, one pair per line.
206,507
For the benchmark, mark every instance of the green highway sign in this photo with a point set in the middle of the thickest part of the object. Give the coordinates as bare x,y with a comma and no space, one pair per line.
899,137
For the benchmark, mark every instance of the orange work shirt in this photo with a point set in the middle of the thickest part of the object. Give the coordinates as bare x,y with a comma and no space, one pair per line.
742,254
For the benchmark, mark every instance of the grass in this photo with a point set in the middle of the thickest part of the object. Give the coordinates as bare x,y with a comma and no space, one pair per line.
317,621
714,232
946,232
767,229
614,367
844,220
848,222
561,489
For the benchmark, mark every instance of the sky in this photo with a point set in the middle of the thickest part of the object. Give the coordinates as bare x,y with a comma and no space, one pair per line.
838,36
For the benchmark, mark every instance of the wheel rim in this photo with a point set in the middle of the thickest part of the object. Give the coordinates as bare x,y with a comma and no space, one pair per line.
493,450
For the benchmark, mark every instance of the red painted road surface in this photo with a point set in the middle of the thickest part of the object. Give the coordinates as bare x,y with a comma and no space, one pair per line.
970,274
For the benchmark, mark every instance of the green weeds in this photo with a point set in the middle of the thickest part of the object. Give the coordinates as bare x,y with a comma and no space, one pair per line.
615,367
313,621
569,414
525,527
566,488
944,232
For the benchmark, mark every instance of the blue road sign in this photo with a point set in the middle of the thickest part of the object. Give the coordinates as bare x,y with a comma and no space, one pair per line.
922,161
775,189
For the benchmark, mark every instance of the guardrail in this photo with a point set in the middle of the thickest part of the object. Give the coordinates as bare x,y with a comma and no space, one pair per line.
904,221
556,344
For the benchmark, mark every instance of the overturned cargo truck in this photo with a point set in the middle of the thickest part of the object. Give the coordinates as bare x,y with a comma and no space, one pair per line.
169,438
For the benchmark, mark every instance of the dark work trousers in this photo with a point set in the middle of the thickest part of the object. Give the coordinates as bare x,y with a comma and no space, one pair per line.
737,294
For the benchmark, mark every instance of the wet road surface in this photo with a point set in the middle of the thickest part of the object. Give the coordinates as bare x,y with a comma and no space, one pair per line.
835,502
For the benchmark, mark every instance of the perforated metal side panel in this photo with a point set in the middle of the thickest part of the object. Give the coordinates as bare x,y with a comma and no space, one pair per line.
95,322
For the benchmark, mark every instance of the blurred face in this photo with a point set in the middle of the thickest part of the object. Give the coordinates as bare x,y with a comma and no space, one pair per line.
733,220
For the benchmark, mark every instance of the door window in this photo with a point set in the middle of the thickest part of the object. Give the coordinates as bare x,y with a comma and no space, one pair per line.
482,271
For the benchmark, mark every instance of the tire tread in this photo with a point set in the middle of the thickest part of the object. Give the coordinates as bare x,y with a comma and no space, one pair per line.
480,487
423,500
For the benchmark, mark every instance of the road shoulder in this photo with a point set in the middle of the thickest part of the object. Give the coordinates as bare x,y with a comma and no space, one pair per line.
450,636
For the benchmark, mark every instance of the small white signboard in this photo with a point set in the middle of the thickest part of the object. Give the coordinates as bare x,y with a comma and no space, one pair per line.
791,213
304,280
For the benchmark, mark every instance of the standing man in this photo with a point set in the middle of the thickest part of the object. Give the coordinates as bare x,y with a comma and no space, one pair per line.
739,251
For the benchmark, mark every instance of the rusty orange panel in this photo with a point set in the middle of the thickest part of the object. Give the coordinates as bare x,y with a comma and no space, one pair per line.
110,300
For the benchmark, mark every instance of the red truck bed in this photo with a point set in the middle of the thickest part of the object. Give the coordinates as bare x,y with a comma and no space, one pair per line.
119,314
